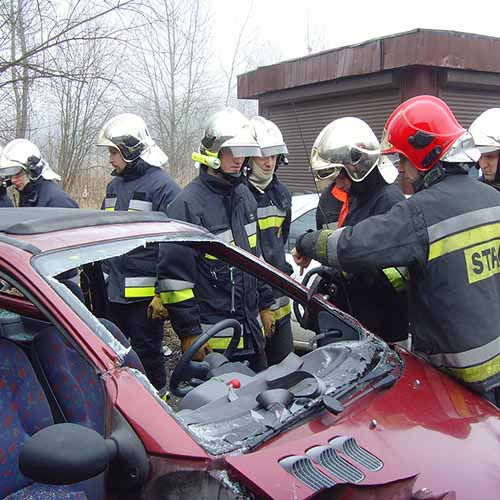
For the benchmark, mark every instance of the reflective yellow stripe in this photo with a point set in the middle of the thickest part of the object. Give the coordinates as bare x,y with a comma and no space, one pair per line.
139,291
482,261
110,209
395,278
176,296
463,240
222,343
282,311
252,240
477,373
270,222
210,257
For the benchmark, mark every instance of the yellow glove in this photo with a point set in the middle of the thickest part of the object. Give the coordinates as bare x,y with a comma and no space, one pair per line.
156,310
268,322
186,343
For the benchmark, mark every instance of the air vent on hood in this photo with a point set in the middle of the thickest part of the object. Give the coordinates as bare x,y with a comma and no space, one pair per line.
328,458
351,449
303,469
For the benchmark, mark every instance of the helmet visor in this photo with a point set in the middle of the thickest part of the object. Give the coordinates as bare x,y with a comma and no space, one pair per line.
331,172
242,151
11,170
274,150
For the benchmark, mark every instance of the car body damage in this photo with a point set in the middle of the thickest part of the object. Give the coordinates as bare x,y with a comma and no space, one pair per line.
353,418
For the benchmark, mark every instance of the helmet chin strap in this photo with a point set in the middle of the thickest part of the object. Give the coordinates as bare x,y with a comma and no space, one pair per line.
427,179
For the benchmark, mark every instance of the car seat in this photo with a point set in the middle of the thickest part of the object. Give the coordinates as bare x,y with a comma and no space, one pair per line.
23,411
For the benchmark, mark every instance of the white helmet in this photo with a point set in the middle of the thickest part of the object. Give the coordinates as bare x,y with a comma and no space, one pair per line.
485,130
268,136
350,144
128,134
22,155
227,129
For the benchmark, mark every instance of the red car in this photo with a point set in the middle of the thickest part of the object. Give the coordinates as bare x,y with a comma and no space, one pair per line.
353,418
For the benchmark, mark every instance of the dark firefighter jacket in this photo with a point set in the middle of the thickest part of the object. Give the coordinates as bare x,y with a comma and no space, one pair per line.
329,209
140,187
5,201
44,193
377,298
449,237
274,214
200,290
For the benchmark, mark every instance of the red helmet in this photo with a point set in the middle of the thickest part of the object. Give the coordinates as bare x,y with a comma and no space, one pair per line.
423,129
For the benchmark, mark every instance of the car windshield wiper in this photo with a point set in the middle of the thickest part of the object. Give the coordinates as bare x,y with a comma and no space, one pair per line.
379,378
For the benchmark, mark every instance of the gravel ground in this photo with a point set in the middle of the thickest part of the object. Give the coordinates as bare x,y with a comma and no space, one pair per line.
171,344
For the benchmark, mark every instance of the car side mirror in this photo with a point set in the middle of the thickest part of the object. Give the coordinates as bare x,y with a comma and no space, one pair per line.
65,454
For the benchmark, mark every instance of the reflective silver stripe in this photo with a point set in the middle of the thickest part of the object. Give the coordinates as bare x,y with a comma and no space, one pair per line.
279,303
226,236
467,358
405,274
167,285
263,212
331,247
251,228
109,203
141,281
144,206
463,222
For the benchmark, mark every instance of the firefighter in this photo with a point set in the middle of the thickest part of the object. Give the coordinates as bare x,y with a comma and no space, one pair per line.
348,151
447,233
197,289
22,164
485,130
274,215
139,184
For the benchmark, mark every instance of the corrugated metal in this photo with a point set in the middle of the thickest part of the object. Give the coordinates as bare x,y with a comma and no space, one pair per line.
420,47
300,125
467,104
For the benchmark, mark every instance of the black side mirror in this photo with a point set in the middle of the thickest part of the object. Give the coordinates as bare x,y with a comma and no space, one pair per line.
65,454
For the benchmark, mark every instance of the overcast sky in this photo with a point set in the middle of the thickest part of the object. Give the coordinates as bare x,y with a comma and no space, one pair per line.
278,28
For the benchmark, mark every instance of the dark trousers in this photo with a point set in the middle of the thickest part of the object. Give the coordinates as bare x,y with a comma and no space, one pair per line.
145,336
280,345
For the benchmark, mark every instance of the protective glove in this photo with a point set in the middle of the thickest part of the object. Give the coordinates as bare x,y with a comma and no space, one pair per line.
156,310
186,343
268,322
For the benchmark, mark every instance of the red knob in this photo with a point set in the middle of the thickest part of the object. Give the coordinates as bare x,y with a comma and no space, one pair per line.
234,383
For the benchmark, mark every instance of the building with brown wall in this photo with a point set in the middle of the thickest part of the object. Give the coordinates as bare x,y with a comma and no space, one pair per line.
368,81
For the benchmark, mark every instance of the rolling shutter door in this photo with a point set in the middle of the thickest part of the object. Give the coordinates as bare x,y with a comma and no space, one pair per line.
302,122
468,104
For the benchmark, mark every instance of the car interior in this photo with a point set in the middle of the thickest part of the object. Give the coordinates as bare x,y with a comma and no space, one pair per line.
46,379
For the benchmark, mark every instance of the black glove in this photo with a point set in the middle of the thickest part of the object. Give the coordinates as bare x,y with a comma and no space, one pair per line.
306,243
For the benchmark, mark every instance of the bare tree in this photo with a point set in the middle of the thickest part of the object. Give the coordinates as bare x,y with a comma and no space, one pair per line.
33,33
176,86
83,107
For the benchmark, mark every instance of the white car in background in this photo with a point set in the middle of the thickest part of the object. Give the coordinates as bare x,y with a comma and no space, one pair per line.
303,218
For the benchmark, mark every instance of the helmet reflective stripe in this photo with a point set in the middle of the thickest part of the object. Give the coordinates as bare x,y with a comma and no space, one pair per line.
485,130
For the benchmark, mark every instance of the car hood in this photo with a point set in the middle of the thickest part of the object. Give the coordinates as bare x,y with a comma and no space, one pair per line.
426,427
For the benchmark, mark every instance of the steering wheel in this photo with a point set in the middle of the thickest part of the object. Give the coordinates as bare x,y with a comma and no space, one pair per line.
187,369
322,283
